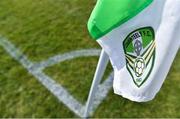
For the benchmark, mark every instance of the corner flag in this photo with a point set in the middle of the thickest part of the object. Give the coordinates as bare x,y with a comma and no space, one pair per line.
141,38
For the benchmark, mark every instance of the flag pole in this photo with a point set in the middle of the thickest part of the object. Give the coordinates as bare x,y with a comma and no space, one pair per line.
101,67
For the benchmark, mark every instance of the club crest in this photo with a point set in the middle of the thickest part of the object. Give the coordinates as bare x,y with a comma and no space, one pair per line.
139,47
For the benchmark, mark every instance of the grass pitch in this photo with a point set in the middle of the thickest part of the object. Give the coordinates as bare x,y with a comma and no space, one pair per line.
44,28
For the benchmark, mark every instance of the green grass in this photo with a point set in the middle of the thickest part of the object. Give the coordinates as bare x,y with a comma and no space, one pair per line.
76,75
44,28
21,95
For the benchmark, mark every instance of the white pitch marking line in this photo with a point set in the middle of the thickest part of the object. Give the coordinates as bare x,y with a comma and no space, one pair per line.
50,84
60,92
67,56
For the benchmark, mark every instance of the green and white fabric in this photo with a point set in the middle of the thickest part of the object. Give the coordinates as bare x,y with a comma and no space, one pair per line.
141,38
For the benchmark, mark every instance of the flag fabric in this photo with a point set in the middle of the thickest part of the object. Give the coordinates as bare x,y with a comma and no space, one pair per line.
141,38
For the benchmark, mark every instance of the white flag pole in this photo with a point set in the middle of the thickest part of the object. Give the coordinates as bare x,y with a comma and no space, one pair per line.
101,67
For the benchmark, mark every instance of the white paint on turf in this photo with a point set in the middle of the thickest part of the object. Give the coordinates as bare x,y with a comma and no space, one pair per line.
50,84
68,56
36,69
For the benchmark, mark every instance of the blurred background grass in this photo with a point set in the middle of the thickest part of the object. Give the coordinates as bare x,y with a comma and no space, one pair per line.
44,28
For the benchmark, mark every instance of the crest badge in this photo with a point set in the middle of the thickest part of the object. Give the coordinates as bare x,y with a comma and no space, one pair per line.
139,47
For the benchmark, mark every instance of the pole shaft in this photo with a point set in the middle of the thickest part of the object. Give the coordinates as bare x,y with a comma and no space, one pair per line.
101,67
